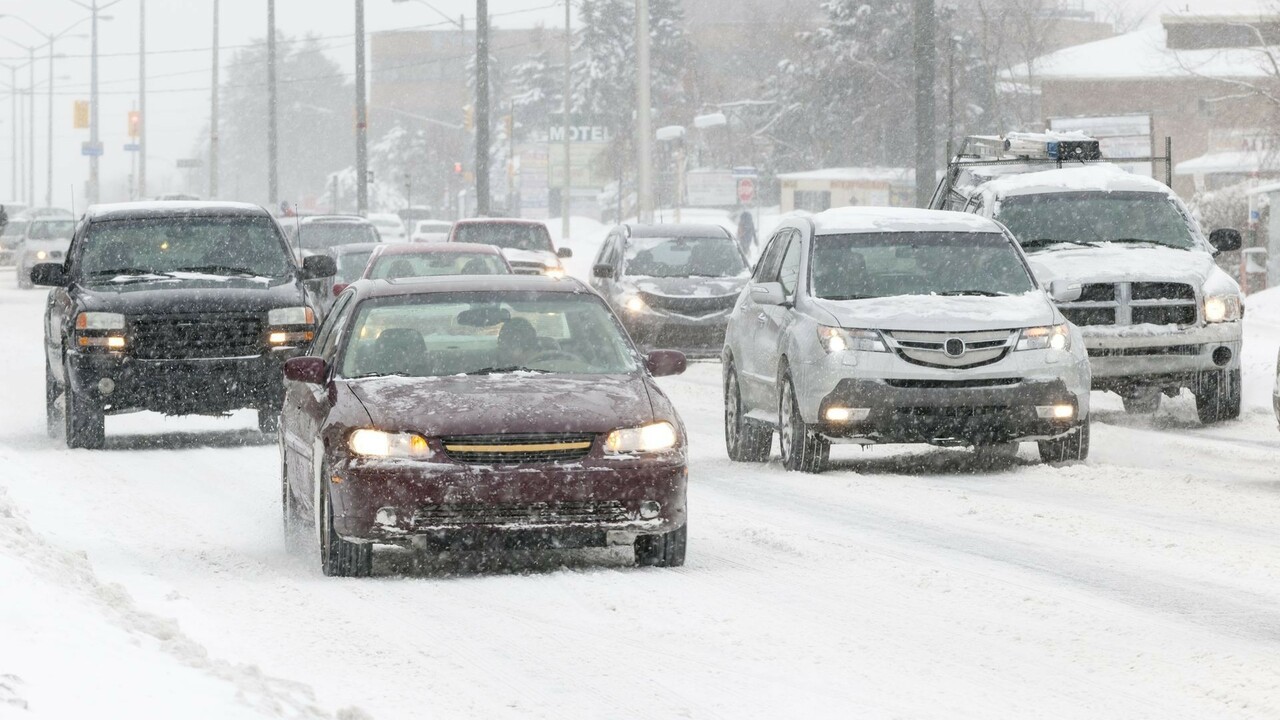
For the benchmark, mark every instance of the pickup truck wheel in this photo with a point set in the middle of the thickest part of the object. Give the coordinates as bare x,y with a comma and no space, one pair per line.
52,417
85,423
1144,403
665,550
1218,396
338,557
1067,449
746,441
802,449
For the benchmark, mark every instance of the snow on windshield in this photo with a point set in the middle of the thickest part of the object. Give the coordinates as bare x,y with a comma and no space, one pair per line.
213,245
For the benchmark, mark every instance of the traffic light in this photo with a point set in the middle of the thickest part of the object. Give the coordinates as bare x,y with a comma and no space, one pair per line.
80,116
457,168
135,123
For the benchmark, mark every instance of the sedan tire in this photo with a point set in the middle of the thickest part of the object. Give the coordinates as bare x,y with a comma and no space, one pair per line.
802,448
746,441
338,557
665,550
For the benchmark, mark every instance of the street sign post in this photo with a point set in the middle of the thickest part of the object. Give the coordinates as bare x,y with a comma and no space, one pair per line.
89,149
132,147
746,190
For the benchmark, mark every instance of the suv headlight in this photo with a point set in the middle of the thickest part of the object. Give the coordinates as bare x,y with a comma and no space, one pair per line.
1048,337
650,438
99,321
836,340
291,316
367,442
1223,308
636,304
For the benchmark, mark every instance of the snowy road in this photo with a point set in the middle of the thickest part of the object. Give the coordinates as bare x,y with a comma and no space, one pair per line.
152,579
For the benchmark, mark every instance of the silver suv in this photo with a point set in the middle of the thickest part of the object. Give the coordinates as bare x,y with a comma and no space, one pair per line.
893,325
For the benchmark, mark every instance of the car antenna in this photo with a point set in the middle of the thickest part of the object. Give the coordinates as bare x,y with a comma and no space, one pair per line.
297,225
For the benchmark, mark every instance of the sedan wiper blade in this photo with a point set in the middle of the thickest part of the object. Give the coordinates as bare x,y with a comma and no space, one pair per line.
507,369
1143,240
983,293
126,271
848,297
379,374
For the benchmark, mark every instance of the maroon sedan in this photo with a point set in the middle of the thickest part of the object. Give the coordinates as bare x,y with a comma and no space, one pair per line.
476,413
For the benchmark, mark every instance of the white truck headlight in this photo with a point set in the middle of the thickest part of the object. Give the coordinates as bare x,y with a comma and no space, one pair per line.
835,340
376,443
1223,308
1048,337
650,438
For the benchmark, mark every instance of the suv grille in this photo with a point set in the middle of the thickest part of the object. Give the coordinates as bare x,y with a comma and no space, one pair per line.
515,449
931,349
1138,303
586,511
181,337
690,306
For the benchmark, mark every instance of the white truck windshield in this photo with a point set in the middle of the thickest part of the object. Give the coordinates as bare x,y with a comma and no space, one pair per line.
1048,220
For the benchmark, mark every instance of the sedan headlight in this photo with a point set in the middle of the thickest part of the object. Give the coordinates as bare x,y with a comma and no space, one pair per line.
1223,308
636,304
99,321
1049,337
836,340
367,442
651,438
291,316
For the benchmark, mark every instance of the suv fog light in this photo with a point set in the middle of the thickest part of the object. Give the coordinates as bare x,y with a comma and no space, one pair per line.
1222,356
106,386
650,509
844,414
1055,412
386,516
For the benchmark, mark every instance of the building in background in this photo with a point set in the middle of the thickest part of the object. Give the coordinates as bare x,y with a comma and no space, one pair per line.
818,190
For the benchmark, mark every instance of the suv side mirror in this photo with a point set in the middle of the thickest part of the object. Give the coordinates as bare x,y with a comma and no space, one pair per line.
603,270
769,293
318,266
49,275
662,363
1063,291
311,370
1225,239
564,253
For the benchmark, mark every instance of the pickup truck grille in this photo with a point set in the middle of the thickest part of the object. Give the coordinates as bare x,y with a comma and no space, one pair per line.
1137,303
185,337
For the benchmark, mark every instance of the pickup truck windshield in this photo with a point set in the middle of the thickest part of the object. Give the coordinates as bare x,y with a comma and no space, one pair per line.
162,246
1049,220
871,265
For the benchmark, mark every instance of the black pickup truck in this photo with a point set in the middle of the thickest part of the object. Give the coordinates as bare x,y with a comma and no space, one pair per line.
181,308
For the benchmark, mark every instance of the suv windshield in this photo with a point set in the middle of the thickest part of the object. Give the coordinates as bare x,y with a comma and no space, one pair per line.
215,245
51,229
322,236
516,236
481,333
871,265
1083,218
684,257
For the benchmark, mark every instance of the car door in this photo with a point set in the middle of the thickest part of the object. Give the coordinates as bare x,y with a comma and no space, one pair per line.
771,330
749,317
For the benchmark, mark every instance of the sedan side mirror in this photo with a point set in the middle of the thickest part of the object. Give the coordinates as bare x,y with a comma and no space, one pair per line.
769,293
603,270
310,370
318,266
49,275
662,363
1063,291
564,253
1225,239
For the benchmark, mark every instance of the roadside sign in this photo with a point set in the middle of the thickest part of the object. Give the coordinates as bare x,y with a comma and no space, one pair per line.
89,149
189,163
746,190
745,171
132,147
80,115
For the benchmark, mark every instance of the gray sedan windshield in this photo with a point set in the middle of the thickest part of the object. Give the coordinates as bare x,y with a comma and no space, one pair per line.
1043,220
870,265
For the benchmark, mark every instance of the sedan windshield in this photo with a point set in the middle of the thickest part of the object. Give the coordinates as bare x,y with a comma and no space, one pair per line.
214,245
321,236
436,263
1046,220
871,265
51,229
684,257
514,236
483,333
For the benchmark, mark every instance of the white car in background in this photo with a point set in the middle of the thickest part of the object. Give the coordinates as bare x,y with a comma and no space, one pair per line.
389,226
45,240
431,231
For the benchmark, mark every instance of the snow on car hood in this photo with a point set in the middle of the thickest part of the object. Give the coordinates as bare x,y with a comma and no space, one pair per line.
938,313
505,403
541,257
1114,262
689,286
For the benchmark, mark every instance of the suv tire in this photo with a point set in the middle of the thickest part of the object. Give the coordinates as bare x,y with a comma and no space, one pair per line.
85,422
1218,396
745,440
665,550
802,448
1067,449
338,557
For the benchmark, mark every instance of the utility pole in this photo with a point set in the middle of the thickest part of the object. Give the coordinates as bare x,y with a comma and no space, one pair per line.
272,150
644,125
13,130
925,62
213,112
142,99
48,188
362,120
31,124
568,91
482,108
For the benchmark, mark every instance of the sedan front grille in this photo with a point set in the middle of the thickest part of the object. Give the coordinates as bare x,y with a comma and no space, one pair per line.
520,514
208,335
516,449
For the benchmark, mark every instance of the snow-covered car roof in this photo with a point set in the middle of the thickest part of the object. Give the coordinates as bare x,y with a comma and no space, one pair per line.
170,208
1101,178
895,219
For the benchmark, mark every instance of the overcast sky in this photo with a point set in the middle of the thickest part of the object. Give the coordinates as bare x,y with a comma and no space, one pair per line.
179,65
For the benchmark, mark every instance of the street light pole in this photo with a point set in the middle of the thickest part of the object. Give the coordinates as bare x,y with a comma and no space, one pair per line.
362,120
31,124
94,8
644,130
568,91
272,149
925,22
482,108
213,113
142,98
48,188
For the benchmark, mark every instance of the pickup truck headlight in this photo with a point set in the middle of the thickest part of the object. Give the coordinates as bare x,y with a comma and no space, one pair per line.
99,321
367,442
1048,337
1223,308
836,340
647,439
291,316
299,320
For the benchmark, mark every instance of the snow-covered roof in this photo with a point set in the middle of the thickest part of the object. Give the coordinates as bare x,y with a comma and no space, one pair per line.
1239,162
1102,177
905,176
1142,55
858,219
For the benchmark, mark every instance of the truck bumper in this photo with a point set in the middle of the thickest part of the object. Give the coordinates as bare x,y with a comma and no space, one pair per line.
1158,357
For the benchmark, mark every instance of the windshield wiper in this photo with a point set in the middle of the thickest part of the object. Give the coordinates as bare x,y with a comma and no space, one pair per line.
848,297
379,374
219,270
983,293
507,369
1148,242
126,271
1045,242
